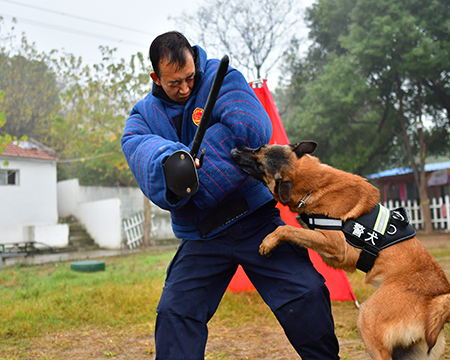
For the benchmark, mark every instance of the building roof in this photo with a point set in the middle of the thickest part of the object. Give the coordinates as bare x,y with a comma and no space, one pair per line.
402,171
29,149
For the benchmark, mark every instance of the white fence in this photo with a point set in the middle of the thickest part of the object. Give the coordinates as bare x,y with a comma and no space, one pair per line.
103,211
440,215
440,212
134,230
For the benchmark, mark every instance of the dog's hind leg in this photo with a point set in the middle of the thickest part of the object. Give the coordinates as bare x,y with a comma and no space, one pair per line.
379,354
419,351
438,349
378,351
375,346
373,327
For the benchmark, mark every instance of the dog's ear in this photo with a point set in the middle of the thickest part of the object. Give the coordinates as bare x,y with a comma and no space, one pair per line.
283,189
304,147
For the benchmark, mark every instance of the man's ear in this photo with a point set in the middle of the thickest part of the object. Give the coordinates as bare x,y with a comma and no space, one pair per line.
304,147
155,78
284,191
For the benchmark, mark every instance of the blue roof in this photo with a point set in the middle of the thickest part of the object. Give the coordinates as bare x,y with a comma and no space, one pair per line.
401,171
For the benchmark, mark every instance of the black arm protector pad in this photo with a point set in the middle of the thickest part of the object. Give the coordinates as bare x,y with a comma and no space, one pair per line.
181,174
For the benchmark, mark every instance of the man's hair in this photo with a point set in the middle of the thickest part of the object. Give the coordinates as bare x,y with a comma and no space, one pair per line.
170,46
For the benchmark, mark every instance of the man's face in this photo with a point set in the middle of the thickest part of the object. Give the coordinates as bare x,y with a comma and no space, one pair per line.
177,83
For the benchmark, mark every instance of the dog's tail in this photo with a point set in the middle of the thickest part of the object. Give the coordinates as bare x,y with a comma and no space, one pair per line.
438,315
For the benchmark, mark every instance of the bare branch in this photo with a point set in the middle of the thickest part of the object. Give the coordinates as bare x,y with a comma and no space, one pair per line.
254,34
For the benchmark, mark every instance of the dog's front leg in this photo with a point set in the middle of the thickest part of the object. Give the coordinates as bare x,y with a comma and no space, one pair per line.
271,241
329,244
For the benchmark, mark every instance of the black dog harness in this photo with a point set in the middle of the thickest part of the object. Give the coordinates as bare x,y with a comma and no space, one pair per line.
370,232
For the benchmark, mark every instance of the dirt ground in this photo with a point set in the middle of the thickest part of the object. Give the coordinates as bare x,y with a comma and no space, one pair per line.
260,341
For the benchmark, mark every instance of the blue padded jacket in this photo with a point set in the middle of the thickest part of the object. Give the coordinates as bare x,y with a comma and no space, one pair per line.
238,118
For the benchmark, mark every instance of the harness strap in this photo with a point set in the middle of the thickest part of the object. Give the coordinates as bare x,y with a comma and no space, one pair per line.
321,222
367,257
371,232
367,240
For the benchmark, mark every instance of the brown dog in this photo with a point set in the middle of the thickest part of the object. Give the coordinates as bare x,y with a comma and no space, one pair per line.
404,318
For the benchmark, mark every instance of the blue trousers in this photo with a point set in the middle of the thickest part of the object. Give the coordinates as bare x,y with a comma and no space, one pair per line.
201,271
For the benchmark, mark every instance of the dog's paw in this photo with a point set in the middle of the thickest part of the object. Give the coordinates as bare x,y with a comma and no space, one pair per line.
268,245
264,251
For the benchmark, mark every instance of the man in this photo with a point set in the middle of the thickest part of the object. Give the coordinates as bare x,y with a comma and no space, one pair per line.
222,225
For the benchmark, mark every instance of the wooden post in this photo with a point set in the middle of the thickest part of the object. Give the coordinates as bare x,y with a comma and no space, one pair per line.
147,241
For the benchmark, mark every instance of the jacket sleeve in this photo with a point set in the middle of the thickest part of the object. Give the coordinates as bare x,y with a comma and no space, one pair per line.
240,120
145,153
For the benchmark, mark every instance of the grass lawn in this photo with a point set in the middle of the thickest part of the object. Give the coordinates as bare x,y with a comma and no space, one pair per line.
52,312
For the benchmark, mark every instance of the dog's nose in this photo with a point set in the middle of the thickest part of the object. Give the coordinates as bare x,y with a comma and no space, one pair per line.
235,153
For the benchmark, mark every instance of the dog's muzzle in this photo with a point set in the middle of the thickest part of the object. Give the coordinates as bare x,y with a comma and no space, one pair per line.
246,160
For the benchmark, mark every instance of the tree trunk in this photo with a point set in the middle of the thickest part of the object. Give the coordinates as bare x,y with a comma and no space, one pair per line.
419,173
147,241
426,211
423,192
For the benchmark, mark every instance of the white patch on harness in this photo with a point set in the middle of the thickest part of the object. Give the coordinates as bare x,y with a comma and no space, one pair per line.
382,220
325,222
358,230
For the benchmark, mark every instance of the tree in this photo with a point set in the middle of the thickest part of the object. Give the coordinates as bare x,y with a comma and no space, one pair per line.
253,33
31,98
379,81
328,100
336,111
5,139
404,52
95,104
77,110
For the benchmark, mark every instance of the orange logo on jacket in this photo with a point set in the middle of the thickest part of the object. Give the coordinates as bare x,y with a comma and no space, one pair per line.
197,115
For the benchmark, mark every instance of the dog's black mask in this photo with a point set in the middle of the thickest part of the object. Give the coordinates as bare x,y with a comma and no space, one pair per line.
266,164
247,160
268,159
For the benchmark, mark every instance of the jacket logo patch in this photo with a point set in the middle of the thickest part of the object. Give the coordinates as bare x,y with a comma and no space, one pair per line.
197,115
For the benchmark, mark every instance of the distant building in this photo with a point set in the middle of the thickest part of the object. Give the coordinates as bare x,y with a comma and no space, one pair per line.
28,195
399,184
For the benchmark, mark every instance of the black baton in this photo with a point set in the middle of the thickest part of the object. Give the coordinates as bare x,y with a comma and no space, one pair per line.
179,168
209,106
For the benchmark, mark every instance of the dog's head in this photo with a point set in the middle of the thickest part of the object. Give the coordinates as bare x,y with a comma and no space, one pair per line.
273,165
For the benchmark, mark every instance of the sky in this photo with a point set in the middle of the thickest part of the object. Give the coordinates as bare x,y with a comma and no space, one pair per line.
81,26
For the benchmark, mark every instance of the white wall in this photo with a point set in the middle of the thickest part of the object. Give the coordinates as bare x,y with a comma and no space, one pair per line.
132,199
162,224
33,200
68,197
70,194
103,221
51,235
28,210
11,233
102,209
101,218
